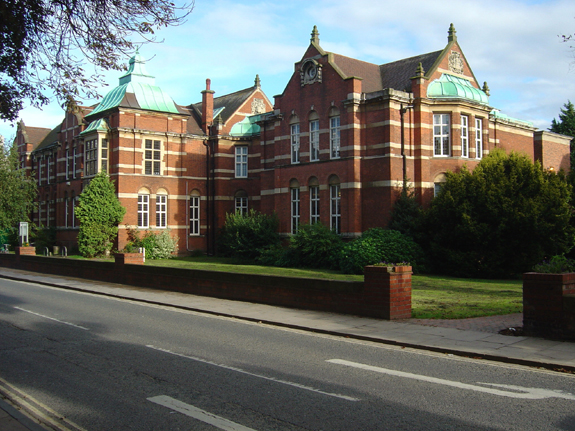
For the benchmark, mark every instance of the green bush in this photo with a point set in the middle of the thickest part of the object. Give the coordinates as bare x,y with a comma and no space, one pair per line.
500,219
556,265
158,245
407,214
246,236
379,245
314,246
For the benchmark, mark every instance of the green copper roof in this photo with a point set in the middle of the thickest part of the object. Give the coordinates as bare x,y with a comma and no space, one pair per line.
136,80
449,87
499,115
98,125
247,127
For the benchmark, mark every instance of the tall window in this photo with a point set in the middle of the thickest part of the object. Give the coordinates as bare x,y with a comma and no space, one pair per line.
67,173
241,202
73,162
143,211
314,138
335,207
47,211
441,145
313,204
194,214
48,168
152,157
91,157
294,136
295,214
464,136
66,209
334,137
161,210
73,205
41,170
104,155
478,138
241,162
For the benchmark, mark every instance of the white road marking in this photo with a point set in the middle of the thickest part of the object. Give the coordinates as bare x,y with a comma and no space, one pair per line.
239,370
51,318
524,393
198,414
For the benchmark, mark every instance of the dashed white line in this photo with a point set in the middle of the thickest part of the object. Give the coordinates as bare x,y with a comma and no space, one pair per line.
199,414
521,392
273,379
51,318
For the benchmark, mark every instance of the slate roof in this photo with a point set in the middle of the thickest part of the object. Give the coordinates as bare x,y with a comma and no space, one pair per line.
34,135
396,75
231,102
50,139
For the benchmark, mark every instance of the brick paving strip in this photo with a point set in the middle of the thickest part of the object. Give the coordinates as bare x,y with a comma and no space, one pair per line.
491,324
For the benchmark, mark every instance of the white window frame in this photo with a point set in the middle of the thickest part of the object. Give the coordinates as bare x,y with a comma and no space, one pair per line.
143,211
314,140
67,156
441,135
74,162
334,137
465,136
241,161
40,170
48,167
314,204
73,202
104,153
478,138
295,209
194,215
335,207
66,209
152,157
294,139
241,205
161,211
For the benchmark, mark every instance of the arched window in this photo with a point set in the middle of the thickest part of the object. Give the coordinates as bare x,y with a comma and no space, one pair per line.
335,203
295,205
313,136
334,133
241,202
144,208
161,208
438,183
294,138
195,212
313,200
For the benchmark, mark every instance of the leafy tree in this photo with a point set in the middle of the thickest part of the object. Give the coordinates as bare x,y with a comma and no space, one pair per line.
17,190
47,44
566,126
247,236
406,214
99,212
500,219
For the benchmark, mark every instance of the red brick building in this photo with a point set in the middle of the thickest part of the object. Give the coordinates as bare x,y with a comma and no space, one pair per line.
335,146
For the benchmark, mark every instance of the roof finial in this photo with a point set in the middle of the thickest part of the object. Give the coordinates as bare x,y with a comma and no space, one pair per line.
485,88
257,82
315,35
419,72
452,37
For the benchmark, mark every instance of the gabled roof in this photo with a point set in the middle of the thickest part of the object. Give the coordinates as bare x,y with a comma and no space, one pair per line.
227,105
50,139
398,74
33,135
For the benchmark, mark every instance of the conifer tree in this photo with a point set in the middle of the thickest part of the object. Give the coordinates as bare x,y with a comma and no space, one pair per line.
566,125
99,212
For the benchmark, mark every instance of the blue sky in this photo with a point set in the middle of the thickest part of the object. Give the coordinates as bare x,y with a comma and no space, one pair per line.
512,45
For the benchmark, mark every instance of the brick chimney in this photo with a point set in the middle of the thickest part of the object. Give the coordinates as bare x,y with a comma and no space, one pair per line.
207,107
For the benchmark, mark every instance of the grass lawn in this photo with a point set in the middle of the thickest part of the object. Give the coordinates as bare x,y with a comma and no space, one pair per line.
433,297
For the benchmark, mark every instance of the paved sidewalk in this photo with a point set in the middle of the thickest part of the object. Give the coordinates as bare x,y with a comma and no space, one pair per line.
476,337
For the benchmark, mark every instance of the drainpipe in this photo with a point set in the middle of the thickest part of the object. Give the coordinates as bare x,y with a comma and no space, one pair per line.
402,110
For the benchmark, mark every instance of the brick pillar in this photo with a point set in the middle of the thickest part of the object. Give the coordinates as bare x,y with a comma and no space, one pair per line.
390,290
543,297
207,107
128,258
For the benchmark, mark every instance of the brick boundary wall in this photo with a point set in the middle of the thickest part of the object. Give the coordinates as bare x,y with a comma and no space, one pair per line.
384,294
549,305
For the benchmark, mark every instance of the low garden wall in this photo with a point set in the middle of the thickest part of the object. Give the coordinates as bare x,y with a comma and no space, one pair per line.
385,293
549,305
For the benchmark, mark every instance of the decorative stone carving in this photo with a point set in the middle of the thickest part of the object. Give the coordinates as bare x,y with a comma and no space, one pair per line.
455,63
310,72
258,106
